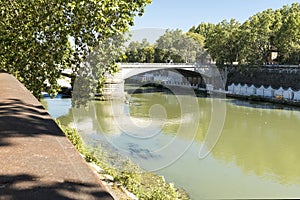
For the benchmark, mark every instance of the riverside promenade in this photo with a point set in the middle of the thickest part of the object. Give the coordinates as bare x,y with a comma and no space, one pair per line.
37,161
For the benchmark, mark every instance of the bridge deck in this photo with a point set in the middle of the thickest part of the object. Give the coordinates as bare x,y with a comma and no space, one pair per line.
37,160
156,65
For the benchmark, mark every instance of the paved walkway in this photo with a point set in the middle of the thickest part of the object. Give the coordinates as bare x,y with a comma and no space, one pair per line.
36,160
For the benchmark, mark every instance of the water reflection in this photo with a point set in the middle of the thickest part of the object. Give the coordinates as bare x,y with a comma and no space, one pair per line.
150,127
256,155
261,105
118,117
265,142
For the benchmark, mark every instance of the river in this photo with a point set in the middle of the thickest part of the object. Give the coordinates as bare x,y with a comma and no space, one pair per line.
256,155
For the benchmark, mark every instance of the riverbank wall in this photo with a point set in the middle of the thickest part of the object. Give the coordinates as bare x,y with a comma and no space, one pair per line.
285,76
274,84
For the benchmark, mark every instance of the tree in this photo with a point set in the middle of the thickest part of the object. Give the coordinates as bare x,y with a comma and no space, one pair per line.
179,47
288,35
195,48
203,29
35,35
222,42
139,52
174,46
257,34
254,41
149,53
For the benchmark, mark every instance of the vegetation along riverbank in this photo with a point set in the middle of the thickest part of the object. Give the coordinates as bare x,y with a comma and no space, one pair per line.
144,185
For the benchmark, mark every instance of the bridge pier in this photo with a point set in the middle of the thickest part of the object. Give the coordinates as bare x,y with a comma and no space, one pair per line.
114,87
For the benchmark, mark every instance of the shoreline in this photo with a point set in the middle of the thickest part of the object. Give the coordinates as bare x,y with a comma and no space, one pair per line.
127,183
284,102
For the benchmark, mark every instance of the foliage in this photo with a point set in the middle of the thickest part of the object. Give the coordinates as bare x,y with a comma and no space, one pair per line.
222,42
203,29
140,52
98,65
257,34
288,35
144,185
35,35
174,46
179,46
253,41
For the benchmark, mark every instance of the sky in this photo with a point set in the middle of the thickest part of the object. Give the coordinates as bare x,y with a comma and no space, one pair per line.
183,14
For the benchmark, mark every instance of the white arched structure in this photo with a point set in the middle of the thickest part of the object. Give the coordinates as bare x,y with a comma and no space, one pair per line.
231,88
297,95
244,90
251,90
288,94
237,89
279,92
269,92
260,91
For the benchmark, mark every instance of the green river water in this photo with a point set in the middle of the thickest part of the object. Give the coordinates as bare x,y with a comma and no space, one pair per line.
256,156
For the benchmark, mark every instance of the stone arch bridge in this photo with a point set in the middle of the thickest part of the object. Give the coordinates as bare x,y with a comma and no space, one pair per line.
196,75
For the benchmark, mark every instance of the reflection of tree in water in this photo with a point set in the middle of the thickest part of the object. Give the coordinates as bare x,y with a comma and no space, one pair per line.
176,116
138,152
106,117
168,102
262,141
67,119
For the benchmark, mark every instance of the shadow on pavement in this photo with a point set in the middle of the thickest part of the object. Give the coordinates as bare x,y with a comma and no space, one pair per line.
24,186
18,119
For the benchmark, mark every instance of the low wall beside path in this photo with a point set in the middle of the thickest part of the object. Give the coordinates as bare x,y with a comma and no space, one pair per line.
37,161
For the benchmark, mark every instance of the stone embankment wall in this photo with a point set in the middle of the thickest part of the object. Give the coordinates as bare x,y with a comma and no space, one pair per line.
273,83
274,76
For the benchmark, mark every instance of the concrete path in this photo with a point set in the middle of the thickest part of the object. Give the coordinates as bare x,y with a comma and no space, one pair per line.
37,161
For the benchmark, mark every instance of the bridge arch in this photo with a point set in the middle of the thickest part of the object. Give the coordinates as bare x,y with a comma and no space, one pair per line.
172,76
132,69
190,72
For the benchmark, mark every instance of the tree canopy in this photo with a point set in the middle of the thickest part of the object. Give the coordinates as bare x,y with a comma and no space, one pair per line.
174,46
253,41
35,35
